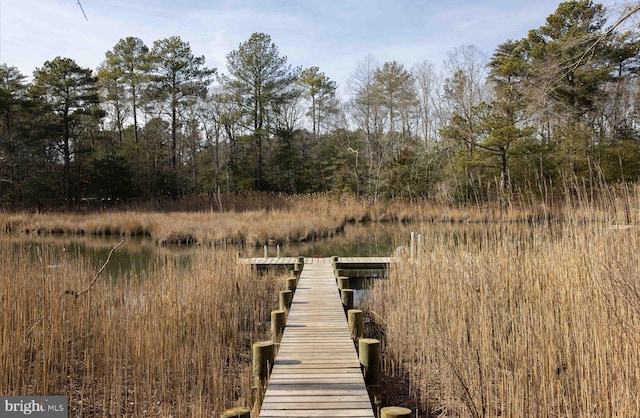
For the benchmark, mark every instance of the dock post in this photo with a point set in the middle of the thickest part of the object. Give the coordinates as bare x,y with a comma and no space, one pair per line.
369,356
284,299
395,412
263,356
278,318
292,283
237,412
343,283
299,264
356,323
346,296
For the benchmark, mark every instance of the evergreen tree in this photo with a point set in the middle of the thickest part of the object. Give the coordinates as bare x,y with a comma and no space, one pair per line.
69,92
180,77
259,79
320,90
128,67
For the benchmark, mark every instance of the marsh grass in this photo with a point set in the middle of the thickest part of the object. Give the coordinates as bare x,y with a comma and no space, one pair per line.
533,313
173,343
518,320
294,219
306,218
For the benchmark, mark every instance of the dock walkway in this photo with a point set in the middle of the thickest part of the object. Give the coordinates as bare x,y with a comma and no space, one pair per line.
290,261
316,370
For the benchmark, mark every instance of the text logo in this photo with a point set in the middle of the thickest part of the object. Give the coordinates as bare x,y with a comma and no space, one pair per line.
34,406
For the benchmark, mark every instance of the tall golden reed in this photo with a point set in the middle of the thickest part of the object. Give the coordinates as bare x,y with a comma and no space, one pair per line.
175,343
518,321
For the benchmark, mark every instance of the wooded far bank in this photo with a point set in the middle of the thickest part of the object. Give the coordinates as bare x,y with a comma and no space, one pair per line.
554,111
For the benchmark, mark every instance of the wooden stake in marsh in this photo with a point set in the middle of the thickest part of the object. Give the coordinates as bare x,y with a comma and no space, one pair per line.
369,356
297,269
395,412
346,295
278,318
343,282
263,356
292,283
284,299
356,323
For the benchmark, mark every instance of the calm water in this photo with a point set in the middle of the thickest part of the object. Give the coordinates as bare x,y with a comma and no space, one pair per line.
357,240
140,254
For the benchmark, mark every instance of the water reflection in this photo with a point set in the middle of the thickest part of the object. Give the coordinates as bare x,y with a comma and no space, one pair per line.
140,254
135,258
370,239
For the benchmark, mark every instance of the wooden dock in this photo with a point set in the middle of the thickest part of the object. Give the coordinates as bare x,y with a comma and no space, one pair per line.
364,262
316,371
369,267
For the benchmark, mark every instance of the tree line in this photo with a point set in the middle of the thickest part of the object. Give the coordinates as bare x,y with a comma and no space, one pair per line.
154,122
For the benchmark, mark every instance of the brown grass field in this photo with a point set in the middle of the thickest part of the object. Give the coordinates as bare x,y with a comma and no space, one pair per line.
175,343
516,320
534,313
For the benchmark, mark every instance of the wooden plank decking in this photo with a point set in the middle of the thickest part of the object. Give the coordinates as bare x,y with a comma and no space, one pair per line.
290,261
316,371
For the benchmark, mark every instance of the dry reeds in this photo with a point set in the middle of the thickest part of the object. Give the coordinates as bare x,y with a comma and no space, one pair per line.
174,343
273,219
517,320
311,217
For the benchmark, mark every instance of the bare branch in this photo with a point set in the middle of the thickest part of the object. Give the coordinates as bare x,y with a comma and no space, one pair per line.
82,292
589,51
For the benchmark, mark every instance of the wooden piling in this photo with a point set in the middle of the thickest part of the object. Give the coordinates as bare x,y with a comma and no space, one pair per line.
299,264
278,319
369,356
237,412
356,323
263,356
292,283
284,299
346,295
395,412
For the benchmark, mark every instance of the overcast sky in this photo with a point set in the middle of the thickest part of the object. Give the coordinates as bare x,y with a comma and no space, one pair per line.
331,34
